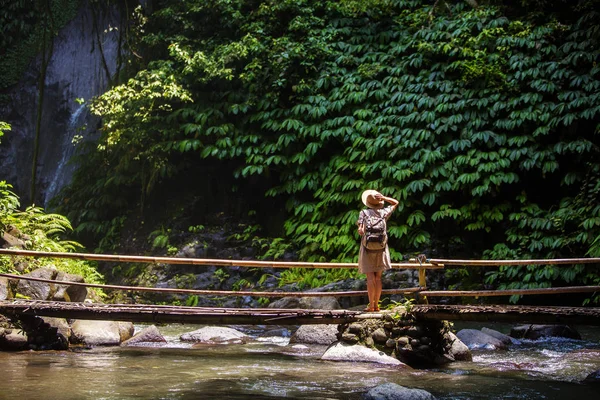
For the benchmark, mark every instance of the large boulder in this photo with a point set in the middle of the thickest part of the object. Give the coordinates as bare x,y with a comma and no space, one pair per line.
593,378
149,334
4,289
458,350
214,334
12,340
61,325
38,290
73,293
100,333
357,353
392,391
315,334
307,303
507,340
535,332
477,340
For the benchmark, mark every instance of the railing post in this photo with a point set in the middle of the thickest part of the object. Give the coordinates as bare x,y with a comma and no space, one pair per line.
422,278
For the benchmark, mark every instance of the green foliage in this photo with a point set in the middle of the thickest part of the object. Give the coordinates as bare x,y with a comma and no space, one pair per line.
315,277
159,238
483,122
23,26
3,128
192,301
42,232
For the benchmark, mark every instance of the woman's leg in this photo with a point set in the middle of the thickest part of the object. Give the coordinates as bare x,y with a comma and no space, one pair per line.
371,290
376,289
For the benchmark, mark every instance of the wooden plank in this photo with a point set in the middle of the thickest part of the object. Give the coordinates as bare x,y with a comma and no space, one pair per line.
173,314
268,316
509,314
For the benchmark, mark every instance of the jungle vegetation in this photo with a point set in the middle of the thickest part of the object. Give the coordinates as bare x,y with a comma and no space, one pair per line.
481,117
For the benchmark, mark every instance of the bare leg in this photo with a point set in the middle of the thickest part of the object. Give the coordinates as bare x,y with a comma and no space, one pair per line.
376,289
371,289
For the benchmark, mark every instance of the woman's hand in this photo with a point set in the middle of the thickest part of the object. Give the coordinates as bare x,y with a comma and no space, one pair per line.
361,229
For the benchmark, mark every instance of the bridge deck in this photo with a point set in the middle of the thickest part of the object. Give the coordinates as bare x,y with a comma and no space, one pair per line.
271,316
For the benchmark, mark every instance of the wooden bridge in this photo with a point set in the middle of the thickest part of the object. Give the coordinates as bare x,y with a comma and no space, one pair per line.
270,316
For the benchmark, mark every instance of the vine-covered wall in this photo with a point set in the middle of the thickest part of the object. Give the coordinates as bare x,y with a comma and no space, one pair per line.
482,119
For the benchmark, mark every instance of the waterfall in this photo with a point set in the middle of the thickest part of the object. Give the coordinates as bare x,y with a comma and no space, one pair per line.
63,169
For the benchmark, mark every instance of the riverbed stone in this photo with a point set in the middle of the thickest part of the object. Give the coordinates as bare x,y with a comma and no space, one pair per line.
593,378
507,340
535,332
477,340
4,289
214,334
150,334
458,350
12,340
341,351
315,334
307,303
61,325
392,391
97,333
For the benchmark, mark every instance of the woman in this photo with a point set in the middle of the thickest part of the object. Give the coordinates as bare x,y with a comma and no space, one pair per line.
374,262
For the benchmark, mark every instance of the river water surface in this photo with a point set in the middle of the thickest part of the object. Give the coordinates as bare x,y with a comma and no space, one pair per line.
269,368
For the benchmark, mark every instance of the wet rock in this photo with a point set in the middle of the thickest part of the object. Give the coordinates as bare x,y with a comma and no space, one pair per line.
458,350
150,334
61,325
534,332
392,391
593,378
12,340
4,289
477,340
126,330
98,333
350,338
341,351
214,334
379,336
507,340
315,334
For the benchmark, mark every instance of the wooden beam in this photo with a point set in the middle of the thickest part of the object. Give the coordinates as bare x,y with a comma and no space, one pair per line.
175,314
509,314
494,263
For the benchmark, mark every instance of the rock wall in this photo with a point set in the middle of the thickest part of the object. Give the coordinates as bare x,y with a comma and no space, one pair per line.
84,60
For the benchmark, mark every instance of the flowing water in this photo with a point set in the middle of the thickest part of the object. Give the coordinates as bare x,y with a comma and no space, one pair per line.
270,368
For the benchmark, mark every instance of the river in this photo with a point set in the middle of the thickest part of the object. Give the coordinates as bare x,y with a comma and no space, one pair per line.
270,369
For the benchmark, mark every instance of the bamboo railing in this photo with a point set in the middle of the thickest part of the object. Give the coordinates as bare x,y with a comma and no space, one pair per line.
421,264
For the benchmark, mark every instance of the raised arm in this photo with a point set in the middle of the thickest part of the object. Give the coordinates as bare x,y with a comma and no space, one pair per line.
392,202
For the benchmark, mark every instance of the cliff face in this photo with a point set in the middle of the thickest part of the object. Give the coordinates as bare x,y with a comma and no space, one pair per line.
84,59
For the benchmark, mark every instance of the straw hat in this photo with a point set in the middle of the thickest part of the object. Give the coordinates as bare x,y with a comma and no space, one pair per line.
369,200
